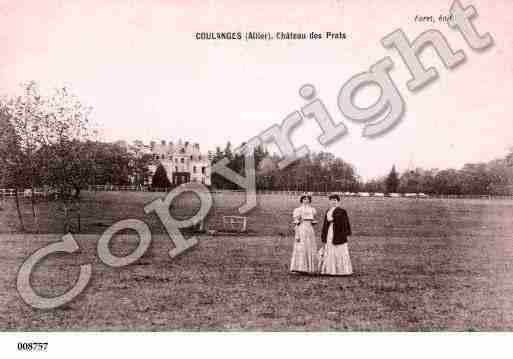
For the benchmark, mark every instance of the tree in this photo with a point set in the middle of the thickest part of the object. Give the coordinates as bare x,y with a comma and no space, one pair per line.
411,181
235,163
13,172
447,182
21,122
501,176
217,180
46,132
140,169
475,179
375,186
316,172
65,132
113,164
160,179
71,169
267,172
392,181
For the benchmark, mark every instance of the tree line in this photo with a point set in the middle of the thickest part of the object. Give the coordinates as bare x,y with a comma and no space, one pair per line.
316,172
486,178
324,172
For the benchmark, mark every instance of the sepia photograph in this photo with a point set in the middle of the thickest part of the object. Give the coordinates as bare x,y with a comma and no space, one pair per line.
273,167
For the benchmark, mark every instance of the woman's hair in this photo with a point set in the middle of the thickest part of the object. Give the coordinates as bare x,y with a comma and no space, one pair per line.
305,196
335,197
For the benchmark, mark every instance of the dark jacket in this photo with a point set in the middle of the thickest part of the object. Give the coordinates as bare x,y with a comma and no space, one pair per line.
341,226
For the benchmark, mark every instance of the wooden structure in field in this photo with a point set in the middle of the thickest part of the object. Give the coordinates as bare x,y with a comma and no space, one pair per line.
235,224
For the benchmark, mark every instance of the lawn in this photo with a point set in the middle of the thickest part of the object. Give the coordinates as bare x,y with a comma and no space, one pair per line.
420,264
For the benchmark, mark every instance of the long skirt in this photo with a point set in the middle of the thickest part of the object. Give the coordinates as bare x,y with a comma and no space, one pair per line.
335,259
305,249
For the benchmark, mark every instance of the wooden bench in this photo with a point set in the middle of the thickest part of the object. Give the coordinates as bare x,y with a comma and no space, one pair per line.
235,223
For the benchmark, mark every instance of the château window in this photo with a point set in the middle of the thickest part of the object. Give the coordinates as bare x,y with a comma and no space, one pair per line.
191,158
203,170
182,160
176,168
194,169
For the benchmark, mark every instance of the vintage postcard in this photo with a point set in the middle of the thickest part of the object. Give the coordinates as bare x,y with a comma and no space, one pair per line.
258,166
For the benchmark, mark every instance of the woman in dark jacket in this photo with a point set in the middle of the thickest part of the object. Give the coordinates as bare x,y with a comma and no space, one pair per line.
335,258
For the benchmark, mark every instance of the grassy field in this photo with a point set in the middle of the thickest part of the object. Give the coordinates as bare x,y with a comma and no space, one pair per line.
425,264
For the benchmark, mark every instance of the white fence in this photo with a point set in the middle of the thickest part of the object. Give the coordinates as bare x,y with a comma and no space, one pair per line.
27,193
117,188
368,195
9,192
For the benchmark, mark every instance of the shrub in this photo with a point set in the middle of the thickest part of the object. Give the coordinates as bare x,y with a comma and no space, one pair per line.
160,179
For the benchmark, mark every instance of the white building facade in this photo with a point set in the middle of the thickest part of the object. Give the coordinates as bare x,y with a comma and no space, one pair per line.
183,162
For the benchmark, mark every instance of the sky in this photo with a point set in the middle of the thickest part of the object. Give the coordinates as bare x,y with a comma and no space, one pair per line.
147,77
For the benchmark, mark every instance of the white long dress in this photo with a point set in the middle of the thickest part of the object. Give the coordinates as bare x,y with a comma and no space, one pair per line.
335,258
304,253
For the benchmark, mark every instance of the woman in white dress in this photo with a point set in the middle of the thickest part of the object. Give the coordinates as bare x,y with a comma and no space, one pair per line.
305,249
335,258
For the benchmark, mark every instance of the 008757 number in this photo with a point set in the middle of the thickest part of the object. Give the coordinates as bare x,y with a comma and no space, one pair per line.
32,346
